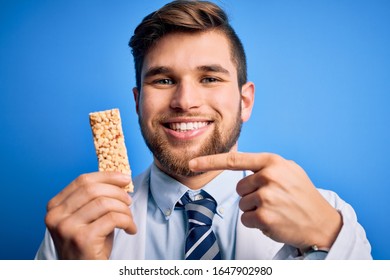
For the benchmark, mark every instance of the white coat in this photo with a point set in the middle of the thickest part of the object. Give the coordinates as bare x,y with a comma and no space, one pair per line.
251,244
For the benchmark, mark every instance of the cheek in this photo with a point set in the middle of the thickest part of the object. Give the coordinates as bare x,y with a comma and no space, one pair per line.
143,111
146,106
227,105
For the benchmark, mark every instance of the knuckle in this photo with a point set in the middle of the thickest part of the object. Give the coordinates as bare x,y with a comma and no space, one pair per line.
102,203
83,179
276,159
50,219
117,219
273,159
232,160
90,190
64,229
269,174
264,195
263,218
50,205
112,218
295,166
125,220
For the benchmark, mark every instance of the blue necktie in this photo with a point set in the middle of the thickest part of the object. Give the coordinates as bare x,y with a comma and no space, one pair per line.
201,243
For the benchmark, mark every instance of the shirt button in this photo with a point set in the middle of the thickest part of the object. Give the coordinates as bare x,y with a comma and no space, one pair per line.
221,210
168,212
198,197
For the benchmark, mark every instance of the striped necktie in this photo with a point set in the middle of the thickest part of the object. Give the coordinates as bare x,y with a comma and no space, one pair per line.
201,243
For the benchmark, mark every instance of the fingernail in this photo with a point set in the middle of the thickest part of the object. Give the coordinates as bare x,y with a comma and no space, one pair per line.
124,176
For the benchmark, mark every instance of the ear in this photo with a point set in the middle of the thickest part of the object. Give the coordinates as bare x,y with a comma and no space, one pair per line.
247,100
136,98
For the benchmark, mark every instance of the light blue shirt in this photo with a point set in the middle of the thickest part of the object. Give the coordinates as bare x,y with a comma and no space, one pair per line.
166,226
162,228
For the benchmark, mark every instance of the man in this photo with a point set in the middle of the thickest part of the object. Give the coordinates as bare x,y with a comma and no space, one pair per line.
192,96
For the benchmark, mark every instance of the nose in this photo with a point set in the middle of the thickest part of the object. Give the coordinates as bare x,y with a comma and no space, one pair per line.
185,97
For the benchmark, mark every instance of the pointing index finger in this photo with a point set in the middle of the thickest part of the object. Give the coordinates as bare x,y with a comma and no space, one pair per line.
230,161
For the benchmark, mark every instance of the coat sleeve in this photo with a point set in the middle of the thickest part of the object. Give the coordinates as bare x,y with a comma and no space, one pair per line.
47,249
351,242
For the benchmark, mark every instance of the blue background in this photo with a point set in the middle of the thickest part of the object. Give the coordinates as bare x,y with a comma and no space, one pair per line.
322,76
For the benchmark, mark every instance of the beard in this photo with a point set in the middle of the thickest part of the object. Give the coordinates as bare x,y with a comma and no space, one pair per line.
175,163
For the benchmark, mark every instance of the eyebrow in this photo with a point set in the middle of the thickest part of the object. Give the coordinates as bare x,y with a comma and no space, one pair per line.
159,70
213,68
162,70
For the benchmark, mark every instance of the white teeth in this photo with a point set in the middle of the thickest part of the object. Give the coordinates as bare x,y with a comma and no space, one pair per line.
187,126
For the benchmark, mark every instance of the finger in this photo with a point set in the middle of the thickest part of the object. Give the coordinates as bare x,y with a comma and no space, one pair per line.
98,208
231,161
252,219
87,217
113,178
84,195
107,223
249,219
259,218
84,201
80,197
250,184
249,202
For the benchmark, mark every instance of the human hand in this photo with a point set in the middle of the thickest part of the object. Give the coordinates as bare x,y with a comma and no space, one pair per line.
278,198
82,217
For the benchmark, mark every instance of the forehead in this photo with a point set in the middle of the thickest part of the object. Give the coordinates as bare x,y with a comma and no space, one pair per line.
189,51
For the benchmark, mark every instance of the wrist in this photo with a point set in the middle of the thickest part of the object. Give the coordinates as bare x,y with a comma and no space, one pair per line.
328,230
313,253
323,236
332,228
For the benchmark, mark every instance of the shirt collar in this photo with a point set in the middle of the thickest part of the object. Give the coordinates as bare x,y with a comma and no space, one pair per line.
166,191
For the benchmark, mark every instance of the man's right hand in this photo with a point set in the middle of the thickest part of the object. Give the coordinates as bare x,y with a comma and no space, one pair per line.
82,217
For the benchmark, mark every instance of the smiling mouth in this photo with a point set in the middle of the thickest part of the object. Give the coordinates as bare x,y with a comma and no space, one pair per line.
186,126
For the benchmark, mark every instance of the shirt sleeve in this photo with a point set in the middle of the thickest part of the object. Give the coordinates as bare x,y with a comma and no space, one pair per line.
351,242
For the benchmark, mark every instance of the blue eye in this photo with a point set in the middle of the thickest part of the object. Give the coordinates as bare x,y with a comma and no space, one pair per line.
164,82
209,80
